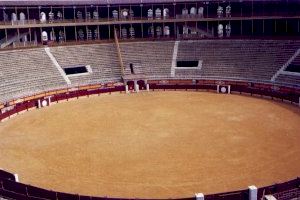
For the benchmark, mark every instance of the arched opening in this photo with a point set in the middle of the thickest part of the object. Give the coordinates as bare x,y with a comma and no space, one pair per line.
141,84
130,85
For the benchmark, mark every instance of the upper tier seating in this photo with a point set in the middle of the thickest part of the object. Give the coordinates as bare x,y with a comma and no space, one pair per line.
28,71
236,59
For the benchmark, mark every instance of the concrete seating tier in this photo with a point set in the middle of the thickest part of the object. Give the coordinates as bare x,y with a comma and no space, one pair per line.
25,72
101,57
246,59
153,59
288,79
28,71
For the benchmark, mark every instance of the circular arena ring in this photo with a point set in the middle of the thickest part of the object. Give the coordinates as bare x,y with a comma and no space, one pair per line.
181,139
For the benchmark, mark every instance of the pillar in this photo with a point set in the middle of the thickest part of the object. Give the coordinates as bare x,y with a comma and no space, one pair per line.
6,36
39,103
136,86
65,34
199,196
35,38
147,85
229,89
126,89
252,192
49,101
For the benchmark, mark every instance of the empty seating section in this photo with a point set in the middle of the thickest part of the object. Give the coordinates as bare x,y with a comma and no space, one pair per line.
101,57
29,71
296,61
153,59
24,72
291,78
288,79
238,59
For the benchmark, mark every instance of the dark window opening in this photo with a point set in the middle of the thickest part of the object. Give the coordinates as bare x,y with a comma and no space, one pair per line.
293,68
131,68
75,70
187,63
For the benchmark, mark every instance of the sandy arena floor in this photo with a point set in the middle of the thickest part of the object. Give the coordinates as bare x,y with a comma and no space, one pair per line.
159,144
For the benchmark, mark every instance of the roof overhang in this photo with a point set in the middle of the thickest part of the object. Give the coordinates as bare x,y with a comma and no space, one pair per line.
102,2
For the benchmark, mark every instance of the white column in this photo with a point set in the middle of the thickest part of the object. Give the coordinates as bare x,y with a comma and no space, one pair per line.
199,196
148,89
136,86
218,87
49,99
16,177
229,89
39,103
126,89
252,192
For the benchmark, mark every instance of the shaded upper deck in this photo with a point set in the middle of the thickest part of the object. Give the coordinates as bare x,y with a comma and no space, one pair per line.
107,2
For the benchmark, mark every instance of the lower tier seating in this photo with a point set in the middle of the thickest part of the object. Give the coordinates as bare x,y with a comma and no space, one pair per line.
29,71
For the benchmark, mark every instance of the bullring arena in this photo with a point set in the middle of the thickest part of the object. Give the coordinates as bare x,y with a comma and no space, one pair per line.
148,99
154,145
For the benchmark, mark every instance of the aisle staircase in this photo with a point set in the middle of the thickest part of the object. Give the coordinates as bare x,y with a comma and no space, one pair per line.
11,39
119,52
59,68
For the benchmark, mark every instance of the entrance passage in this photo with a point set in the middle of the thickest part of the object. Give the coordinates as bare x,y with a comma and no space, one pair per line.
75,70
194,63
